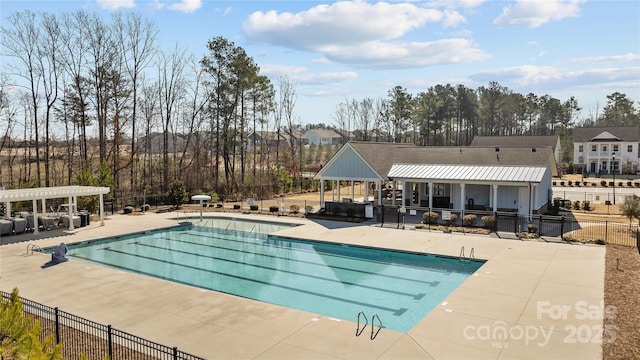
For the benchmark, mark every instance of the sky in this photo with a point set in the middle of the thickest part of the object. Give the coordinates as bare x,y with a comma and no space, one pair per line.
344,50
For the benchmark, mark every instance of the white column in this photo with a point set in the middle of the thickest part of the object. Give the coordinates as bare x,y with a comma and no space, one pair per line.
339,196
495,197
35,217
333,190
404,193
430,195
7,208
44,206
462,197
379,192
70,213
101,210
393,193
353,190
321,193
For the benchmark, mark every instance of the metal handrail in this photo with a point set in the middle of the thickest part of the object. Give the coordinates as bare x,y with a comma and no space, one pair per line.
373,326
366,322
471,256
461,256
33,247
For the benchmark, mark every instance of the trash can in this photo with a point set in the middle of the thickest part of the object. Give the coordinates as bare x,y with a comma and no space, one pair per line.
84,218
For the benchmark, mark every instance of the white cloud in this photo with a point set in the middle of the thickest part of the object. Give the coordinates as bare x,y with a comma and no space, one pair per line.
550,77
341,22
325,78
116,4
277,70
186,6
601,59
534,13
364,34
406,55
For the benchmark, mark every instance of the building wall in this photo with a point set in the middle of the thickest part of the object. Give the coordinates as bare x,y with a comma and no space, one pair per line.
584,155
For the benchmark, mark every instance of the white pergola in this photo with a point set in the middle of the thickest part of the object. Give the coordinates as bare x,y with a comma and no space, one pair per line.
61,192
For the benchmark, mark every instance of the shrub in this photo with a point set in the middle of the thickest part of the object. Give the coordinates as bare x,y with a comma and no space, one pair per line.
636,184
273,208
629,183
469,220
532,228
593,184
452,219
600,242
561,183
569,183
127,209
308,209
576,205
554,183
253,207
236,206
176,194
611,183
430,217
620,183
556,202
294,208
603,183
578,183
145,207
586,205
488,221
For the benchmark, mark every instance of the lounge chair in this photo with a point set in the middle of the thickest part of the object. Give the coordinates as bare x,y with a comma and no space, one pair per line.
6,227
29,217
64,219
46,222
19,225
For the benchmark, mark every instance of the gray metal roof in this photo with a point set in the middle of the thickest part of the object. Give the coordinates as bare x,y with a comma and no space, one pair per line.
620,133
468,173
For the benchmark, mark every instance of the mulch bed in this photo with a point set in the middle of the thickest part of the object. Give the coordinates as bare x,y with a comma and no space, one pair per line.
622,290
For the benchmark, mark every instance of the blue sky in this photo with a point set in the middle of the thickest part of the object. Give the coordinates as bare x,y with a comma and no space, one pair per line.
352,50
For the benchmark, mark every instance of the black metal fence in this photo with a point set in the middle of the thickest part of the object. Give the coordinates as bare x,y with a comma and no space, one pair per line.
565,227
80,336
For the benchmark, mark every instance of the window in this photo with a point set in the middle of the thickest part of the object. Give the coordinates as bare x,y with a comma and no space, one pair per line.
615,148
614,166
580,160
604,165
438,189
593,148
629,148
604,148
580,148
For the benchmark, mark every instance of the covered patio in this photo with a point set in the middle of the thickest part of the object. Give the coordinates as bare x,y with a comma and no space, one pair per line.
71,193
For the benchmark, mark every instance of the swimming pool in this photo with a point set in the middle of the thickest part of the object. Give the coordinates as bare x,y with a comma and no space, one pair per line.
323,278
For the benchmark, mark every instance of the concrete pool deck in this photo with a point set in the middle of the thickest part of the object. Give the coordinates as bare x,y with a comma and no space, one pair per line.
530,300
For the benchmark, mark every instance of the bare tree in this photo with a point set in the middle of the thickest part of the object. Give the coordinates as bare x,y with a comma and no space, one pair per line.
21,43
136,38
171,80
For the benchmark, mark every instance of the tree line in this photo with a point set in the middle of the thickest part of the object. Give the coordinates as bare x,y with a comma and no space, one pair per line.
88,100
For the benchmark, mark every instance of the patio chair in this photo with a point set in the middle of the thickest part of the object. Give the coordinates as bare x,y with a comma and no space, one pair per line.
19,225
46,222
6,227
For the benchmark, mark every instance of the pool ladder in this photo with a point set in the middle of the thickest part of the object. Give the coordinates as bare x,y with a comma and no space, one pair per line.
32,248
462,257
374,333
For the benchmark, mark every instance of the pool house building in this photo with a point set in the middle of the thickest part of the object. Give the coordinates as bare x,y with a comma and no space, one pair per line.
513,179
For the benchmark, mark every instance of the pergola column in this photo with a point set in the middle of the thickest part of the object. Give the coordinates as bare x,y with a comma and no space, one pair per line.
70,213
321,193
101,210
462,200
379,192
35,217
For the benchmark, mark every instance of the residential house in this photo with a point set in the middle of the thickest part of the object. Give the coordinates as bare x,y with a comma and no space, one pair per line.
323,137
605,150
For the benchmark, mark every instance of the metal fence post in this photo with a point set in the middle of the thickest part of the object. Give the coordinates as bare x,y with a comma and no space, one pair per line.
495,223
562,227
57,326
606,231
110,342
175,353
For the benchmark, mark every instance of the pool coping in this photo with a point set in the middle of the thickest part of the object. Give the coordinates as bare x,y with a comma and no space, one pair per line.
516,291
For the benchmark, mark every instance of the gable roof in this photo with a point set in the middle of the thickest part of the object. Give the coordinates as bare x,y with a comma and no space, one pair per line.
323,133
382,156
517,141
615,133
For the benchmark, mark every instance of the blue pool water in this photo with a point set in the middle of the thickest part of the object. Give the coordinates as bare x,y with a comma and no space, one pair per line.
333,280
